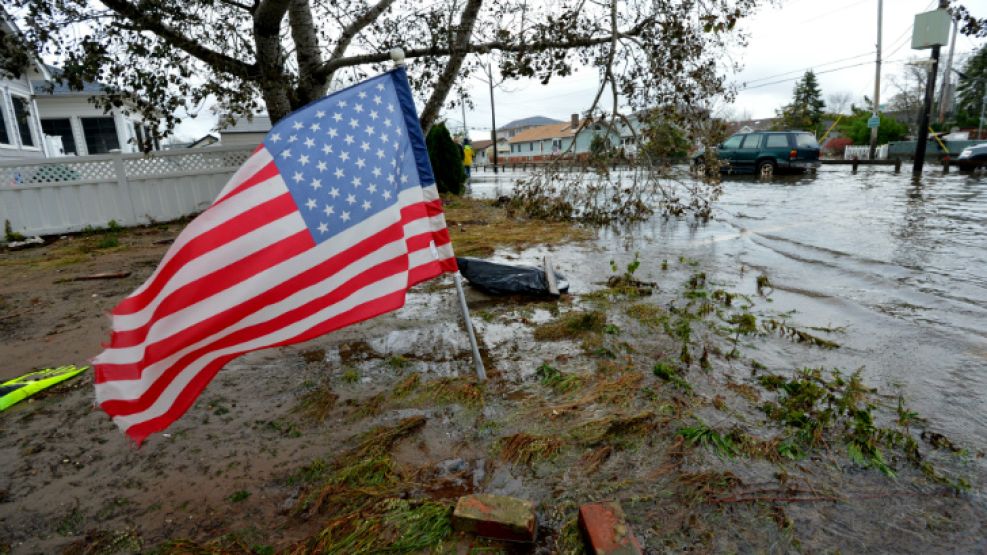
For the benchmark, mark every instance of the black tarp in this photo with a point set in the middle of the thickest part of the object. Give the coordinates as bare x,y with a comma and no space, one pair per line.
505,279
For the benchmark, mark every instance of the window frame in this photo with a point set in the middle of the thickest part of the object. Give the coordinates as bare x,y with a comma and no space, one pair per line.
34,133
71,134
85,135
758,139
5,118
784,136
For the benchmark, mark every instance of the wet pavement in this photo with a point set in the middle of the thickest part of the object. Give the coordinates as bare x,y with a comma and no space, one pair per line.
900,263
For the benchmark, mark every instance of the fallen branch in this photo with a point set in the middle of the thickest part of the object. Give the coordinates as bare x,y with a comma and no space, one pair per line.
103,275
776,499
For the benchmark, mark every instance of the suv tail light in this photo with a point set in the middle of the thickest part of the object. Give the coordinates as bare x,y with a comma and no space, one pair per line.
793,154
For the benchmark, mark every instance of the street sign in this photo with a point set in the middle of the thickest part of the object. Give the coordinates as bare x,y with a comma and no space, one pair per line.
873,122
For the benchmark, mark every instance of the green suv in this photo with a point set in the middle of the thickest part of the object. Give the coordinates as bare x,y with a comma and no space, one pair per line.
764,153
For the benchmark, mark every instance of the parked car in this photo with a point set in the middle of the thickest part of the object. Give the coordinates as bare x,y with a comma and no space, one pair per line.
764,153
972,157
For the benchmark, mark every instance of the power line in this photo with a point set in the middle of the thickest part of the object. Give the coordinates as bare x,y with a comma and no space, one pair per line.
817,73
803,70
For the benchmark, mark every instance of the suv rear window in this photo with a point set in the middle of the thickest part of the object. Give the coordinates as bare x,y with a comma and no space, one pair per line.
777,141
752,141
805,139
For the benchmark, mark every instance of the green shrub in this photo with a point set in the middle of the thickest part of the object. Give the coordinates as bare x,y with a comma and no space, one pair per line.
447,160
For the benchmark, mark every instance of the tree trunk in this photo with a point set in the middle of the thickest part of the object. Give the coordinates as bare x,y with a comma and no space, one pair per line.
458,51
274,84
307,53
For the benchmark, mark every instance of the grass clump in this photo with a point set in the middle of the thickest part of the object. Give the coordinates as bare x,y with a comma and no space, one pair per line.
448,391
556,380
522,448
812,406
361,476
407,385
614,428
571,325
702,435
668,373
391,526
317,403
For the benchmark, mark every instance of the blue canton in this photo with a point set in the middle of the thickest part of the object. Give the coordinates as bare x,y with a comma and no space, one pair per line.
345,157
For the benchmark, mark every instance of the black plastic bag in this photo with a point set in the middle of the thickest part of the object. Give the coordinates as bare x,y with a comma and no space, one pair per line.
504,279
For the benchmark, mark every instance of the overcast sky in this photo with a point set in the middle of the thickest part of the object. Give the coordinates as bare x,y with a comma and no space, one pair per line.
784,41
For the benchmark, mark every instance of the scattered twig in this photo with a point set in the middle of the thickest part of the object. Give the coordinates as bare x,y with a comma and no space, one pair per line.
93,277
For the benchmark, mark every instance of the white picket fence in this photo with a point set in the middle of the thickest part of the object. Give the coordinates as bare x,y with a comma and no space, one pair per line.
60,195
863,152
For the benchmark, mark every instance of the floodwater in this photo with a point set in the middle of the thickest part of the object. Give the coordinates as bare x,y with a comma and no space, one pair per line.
899,262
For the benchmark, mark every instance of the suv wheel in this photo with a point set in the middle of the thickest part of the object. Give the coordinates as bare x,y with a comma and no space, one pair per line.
766,168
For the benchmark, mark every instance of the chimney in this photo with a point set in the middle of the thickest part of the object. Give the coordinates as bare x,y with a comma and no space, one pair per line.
574,121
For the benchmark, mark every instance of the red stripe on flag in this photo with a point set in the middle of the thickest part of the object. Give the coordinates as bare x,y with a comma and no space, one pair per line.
216,282
212,239
168,346
396,265
140,432
422,240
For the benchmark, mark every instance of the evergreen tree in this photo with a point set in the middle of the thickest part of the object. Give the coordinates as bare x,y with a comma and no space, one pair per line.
447,160
972,87
806,109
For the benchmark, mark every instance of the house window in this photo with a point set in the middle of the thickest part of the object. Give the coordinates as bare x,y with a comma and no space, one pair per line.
101,135
22,115
4,135
61,127
531,147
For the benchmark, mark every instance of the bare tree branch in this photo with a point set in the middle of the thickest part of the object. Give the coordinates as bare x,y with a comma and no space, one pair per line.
346,38
459,44
155,25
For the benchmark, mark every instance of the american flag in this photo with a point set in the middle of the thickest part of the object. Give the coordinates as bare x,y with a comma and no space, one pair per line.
328,223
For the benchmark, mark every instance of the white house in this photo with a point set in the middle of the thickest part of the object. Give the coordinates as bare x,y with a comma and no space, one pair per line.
20,128
39,117
83,127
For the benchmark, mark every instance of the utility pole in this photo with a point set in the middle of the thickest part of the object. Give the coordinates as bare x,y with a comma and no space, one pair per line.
466,133
930,91
877,80
947,87
493,115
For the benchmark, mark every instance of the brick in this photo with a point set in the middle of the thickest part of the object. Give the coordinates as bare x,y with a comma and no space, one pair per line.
495,516
605,529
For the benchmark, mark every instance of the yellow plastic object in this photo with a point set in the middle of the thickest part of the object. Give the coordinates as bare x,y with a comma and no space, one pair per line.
20,388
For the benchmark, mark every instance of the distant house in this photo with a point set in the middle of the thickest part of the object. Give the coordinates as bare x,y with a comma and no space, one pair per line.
246,131
480,156
20,129
549,141
82,127
509,130
748,126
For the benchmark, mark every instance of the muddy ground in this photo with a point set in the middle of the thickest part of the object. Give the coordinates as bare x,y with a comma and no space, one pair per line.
360,441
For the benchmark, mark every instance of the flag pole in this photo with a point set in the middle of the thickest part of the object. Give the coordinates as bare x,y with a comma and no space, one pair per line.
397,56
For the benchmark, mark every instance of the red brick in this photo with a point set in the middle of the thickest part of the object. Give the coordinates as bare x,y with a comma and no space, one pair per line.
605,530
495,516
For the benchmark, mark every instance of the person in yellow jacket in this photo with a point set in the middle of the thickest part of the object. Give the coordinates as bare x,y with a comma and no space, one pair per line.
467,157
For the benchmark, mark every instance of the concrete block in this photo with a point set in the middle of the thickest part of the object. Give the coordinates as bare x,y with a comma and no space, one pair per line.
605,529
495,516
